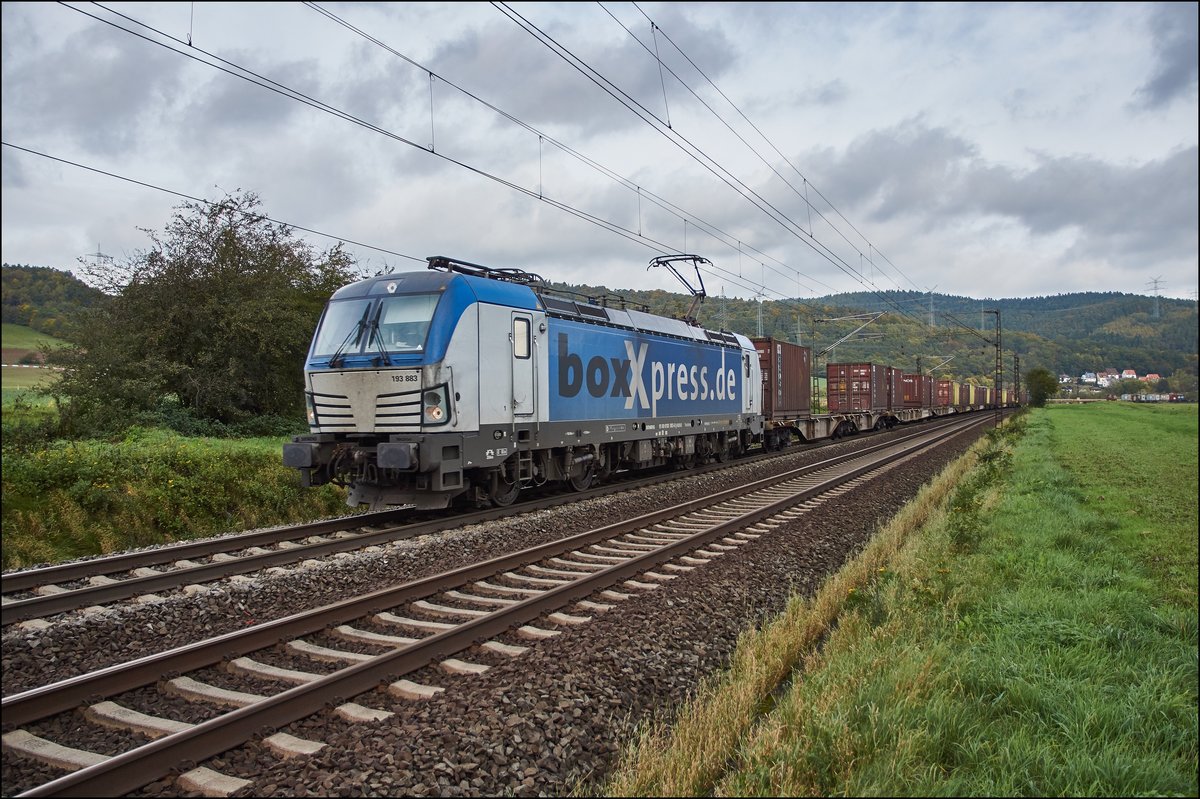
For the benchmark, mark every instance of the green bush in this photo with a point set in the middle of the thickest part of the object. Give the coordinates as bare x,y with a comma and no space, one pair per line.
25,425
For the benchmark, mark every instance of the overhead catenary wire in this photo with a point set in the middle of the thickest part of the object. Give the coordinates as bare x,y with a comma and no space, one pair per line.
236,70
642,112
628,183
193,198
292,94
254,78
299,96
715,271
757,130
684,144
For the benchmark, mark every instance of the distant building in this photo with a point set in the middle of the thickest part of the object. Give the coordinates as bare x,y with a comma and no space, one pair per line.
1066,379
1088,377
1103,381
1129,374
1151,378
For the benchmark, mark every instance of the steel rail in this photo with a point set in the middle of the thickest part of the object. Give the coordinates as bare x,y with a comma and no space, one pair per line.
111,564
73,599
131,770
41,606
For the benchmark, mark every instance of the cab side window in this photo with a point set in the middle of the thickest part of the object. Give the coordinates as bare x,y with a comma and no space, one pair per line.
520,338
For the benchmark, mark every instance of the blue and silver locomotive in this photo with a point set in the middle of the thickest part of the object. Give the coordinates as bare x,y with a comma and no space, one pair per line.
465,383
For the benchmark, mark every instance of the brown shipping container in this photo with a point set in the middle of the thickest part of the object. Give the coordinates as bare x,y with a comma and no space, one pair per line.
857,387
787,378
945,394
914,389
895,388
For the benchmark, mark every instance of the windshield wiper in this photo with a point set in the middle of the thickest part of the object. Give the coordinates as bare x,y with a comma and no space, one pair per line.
354,336
375,336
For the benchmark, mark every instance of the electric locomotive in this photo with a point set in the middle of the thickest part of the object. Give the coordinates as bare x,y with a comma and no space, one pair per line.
465,383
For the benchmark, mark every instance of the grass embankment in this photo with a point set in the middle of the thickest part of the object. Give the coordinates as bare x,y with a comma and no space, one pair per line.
73,499
1032,631
20,337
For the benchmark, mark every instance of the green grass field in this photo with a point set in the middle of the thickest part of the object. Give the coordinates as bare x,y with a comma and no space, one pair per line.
24,338
18,341
20,378
1035,636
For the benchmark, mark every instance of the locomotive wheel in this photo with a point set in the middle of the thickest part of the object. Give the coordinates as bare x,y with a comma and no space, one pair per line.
502,493
583,481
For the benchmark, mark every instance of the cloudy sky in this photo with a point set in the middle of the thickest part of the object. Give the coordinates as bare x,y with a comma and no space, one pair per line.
980,150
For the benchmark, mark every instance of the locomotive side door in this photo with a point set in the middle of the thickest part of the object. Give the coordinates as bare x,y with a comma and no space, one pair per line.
524,367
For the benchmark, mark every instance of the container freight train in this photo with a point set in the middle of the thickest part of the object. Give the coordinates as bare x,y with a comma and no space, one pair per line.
468,384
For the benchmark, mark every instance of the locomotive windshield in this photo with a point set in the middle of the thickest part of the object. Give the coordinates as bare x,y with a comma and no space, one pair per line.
404,321
393,324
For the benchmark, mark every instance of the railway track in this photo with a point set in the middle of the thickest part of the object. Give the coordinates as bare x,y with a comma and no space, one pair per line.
447,626
90,584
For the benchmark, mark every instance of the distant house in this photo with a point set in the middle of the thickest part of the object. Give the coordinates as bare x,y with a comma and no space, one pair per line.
1088,377
1151,378
1066,379
1129,374
1103,381
1111,374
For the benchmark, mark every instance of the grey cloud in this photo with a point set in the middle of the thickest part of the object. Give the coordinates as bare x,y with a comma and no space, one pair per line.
1141,212
383,90
901,171
823,95
503,61
12,168
379,90
829,93
1173,29
226,109
1128,214
98,89
18,33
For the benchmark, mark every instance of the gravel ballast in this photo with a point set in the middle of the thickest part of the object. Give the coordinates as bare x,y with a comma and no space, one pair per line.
539,723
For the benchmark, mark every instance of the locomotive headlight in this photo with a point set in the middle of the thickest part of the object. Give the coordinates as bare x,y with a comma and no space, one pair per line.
311,408
434,407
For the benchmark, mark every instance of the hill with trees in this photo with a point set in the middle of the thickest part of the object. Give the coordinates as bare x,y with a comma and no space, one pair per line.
1072,333
47,300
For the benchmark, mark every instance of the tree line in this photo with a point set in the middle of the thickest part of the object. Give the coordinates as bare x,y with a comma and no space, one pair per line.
48,300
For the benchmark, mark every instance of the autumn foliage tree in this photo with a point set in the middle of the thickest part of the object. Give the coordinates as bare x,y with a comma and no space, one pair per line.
214,318
1042,385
